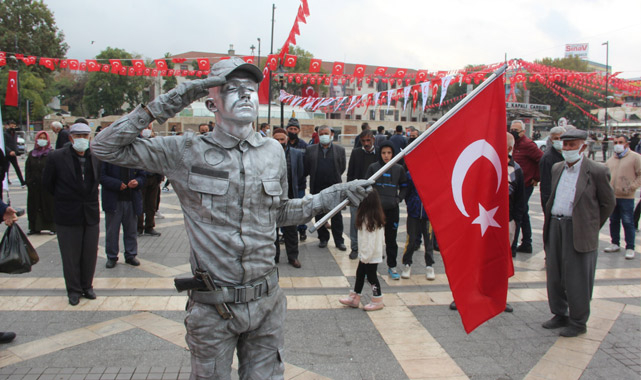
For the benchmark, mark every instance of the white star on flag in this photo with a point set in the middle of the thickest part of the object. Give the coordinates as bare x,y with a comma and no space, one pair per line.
486,219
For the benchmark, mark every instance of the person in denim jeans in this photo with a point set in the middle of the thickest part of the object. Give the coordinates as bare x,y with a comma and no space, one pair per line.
625,166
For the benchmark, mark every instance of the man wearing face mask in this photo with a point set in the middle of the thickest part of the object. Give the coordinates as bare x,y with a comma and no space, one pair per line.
295,171
625,166
528,156
264,130
325,164
551,156
293,129
232,187
72,176
580,202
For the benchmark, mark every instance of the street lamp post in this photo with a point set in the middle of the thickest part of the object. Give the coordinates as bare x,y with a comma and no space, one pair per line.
607,69
281,79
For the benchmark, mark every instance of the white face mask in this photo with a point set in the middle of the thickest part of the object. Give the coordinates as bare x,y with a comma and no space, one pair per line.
619,148
557,144
266,131
146,133
572,156
80,145
42,143
325,139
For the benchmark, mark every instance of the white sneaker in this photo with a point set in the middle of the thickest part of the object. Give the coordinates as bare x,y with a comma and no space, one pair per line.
159,215
629,254
405,273
429,273
612,248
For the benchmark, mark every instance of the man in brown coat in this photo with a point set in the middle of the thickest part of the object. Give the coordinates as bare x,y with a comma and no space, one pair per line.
581,201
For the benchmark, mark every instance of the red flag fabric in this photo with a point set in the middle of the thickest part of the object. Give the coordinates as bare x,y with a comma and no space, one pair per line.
465,194
400,73
380,71
47,62
263,88
315,65
305,7
203,64
116,65
338,68
359,71
138,64
161,64
11,97
272,62
249,59
421,76
290,60
73,64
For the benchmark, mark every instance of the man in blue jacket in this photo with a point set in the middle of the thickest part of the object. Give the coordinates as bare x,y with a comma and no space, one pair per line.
122,204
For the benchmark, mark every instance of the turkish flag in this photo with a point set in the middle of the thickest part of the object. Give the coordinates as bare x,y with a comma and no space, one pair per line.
73,64
421,76
380,71
359,71
138,64
400,73
272,62
338,68
11,97
203,64
47,62
116,65
249,59
290,60
263,88
161,64
315,65
460,172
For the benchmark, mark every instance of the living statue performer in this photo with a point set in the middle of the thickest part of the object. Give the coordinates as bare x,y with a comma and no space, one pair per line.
232,186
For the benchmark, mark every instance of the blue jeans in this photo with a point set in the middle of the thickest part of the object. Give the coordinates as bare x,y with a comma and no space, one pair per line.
623,214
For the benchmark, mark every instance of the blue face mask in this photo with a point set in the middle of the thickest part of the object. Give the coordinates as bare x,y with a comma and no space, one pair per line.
80,145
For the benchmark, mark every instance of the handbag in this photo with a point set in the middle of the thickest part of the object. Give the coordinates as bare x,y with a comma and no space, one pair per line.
17,255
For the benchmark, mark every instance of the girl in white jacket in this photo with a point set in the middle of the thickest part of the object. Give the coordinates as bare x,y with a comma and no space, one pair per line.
370,224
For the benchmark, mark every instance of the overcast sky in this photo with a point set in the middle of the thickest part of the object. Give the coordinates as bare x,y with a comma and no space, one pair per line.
415,34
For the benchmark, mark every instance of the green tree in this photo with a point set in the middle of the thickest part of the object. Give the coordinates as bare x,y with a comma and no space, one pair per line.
28,27
71,90
539,93
112,93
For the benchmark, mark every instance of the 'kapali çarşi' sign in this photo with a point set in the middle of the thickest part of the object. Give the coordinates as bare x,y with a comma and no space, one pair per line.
528,106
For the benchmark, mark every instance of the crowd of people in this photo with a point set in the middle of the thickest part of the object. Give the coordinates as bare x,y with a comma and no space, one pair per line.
577,196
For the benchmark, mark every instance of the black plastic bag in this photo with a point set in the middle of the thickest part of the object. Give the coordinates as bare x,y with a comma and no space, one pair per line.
17,255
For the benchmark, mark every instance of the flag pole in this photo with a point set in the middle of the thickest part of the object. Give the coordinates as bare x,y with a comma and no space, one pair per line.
415,143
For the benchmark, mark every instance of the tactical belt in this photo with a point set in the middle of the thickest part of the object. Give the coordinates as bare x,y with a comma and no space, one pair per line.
251,291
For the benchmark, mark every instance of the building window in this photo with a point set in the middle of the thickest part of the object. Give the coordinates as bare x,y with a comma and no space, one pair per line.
184,67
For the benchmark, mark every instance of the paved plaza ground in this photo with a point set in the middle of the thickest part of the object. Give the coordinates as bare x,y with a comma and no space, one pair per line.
134,330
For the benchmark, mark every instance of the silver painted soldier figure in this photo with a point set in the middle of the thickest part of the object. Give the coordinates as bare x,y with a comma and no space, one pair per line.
232,186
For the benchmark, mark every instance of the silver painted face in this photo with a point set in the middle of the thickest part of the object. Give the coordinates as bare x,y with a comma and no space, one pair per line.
236,100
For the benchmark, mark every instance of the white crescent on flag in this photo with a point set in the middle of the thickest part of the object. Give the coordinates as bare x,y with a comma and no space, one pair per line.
315,65
468,156
291,61
12,82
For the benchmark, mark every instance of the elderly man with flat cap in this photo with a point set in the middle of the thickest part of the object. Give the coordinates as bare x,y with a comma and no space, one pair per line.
580,202
232,186
72,175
